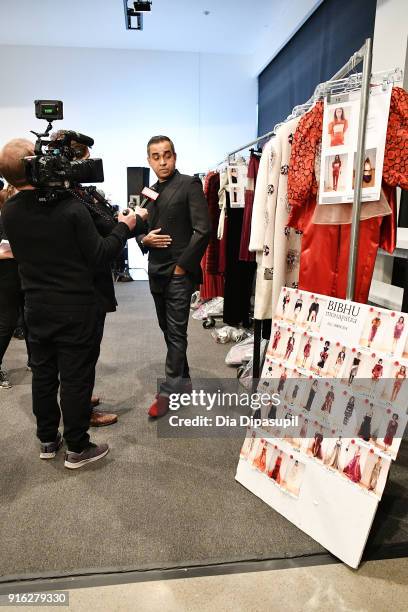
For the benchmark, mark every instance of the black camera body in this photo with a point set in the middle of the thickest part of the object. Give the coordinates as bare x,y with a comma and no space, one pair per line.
54,164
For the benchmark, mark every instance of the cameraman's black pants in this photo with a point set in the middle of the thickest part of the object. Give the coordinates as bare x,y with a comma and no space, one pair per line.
100,326
11,306
62,343
173,310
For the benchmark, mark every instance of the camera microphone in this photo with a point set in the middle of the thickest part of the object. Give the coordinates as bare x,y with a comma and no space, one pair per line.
79,138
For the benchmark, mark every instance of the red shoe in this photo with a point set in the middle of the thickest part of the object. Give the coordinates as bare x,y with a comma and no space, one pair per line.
160,407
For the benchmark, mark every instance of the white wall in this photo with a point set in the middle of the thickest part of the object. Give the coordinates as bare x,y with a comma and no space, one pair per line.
390,34
205,102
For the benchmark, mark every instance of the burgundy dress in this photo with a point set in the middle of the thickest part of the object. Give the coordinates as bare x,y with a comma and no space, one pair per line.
391,431
352,470
275,474
244,253
213,280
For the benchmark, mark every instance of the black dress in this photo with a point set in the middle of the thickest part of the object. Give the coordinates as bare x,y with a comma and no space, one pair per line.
365,429
239,275
310,399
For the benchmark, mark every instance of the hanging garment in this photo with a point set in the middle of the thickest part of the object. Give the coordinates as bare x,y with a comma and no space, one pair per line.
353,470
263,227
239,275
211,189
325,247
287,241
278,264
253,167
213,281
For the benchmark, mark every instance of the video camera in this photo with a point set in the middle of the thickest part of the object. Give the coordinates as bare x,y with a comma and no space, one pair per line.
54,164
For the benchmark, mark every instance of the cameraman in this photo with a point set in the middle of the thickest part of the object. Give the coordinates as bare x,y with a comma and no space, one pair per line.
102,216
58,249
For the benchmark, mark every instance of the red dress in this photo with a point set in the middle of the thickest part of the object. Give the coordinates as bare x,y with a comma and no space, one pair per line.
336,168
213,280
353,470
391,431
253,167
275,473
260,461
276,339
328,274
377,371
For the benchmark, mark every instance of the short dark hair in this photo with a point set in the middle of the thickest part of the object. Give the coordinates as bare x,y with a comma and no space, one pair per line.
157,139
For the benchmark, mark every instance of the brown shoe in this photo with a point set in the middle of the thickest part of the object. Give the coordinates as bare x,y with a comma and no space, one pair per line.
101,419
95,401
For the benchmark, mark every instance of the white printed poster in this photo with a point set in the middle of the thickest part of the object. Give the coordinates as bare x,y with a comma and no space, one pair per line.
339,146
237,179
339,372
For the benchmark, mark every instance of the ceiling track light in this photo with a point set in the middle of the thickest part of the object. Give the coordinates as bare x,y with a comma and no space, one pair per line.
134,16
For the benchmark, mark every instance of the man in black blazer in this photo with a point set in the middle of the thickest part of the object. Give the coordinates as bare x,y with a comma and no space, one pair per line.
177,235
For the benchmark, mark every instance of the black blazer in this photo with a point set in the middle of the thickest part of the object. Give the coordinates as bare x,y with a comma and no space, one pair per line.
182,212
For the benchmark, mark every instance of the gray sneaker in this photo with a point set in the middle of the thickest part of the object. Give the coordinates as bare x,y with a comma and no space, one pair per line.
92,453
4,380
50,449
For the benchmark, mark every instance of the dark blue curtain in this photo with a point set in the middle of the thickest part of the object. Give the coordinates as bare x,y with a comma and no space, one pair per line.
318,50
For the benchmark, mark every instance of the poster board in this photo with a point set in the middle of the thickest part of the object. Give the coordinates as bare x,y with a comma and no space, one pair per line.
340,371
339,145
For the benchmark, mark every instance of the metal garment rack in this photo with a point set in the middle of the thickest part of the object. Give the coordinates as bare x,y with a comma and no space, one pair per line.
362,55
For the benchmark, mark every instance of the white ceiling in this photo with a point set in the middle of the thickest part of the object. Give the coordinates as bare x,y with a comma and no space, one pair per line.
233,26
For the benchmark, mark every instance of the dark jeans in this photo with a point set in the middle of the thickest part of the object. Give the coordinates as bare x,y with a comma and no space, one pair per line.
173,310
11,307
62,343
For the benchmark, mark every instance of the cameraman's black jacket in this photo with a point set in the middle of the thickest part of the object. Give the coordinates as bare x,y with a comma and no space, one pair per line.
103,281
58,248
181,211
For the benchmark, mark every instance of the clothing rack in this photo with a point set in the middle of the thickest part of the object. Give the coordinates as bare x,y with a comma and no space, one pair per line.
364,54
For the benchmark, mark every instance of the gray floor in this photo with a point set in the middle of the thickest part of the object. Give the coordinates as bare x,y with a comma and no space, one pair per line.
378,586
154,502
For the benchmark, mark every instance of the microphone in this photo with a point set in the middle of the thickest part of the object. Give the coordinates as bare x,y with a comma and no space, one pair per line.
150,194
78,137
